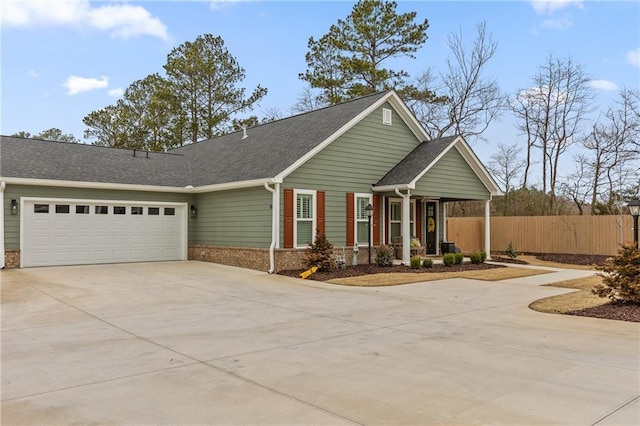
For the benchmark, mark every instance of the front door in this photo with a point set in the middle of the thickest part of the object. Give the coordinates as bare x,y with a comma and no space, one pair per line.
431,235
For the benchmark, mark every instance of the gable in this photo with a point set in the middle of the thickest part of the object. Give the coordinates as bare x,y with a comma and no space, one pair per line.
360,156
451,177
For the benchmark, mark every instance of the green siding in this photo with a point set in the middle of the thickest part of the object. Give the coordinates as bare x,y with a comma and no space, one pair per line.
12,223
452,177
234,218
352,163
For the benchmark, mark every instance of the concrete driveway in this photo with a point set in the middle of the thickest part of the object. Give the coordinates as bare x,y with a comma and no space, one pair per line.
198,343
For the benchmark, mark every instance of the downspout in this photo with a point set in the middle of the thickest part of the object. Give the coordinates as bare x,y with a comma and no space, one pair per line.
275,222
406,230
2,186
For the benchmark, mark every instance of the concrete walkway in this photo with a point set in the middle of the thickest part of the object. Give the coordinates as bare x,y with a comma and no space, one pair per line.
197,343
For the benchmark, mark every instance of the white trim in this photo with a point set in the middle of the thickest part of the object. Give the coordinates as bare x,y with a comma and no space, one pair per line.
389,188
314,212
132,187
275,222
355,218
398,105
185,223
444,222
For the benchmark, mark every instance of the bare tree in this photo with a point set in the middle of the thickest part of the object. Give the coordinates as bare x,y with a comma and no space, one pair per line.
613,145
506,167
469,99
577,185
307,101
550,113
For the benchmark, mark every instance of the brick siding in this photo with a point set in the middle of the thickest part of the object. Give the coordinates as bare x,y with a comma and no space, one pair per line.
12,259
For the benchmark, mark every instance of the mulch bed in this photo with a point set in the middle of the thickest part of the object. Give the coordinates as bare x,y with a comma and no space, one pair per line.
354,271
614,311
508,260
574,259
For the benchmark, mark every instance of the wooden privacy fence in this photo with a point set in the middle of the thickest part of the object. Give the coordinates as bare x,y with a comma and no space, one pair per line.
544,234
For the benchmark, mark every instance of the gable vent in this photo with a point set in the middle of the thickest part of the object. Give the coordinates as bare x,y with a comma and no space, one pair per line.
386,116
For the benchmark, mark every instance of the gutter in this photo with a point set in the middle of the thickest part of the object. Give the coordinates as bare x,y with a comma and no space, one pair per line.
275,222
2,186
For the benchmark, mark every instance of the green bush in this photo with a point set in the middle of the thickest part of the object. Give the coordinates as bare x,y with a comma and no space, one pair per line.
449,259
621,280
511,251
320,253
459,258
476,258
415,262
385,255
427,263
483,256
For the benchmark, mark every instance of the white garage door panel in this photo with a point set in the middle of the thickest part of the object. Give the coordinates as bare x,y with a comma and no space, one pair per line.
79,237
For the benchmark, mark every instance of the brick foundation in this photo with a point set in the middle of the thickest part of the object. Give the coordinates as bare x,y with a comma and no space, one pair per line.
258,258
12,259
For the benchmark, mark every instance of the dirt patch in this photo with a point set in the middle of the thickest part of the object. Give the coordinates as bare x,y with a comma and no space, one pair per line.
574,259
614,311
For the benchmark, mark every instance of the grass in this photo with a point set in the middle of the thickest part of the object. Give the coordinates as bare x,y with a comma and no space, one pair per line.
373,280
574,301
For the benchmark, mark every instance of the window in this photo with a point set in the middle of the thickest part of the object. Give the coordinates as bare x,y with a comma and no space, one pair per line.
169,211
41,208
136,210
305,218
361,219
386,116
153,211
62,208
82,209
102,210
395,219
119,210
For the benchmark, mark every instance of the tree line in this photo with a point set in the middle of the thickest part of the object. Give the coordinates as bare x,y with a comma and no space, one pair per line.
200,96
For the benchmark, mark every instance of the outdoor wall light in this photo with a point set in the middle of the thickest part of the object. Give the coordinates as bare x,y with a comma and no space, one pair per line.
14,207
194,211
634,211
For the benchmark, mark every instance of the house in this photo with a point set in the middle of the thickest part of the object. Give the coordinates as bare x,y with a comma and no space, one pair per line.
253,198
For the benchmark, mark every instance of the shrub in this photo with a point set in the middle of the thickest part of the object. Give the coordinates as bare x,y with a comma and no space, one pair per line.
476,258
427,263
621,280
449,259
385,255
415,262
459,258
320,253
483,256
511,251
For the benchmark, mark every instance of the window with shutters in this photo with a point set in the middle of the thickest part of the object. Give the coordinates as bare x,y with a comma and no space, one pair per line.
361,219
305,218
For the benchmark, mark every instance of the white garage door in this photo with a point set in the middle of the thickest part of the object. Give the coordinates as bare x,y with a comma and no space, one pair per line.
75,232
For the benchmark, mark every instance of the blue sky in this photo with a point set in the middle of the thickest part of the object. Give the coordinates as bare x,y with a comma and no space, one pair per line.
62,60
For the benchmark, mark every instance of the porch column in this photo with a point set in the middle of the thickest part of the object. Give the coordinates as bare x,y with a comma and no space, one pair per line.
2,186
406,226
487,228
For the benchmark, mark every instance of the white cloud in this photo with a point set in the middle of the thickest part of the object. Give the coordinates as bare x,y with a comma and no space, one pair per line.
557,24
603,85
633,57
120,20
32,73
547,7
116,93
75,84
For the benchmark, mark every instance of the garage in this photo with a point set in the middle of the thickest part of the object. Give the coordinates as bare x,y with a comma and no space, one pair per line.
77,232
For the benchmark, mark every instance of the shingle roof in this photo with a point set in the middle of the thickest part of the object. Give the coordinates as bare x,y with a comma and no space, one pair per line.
415,162
38,159
269,148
